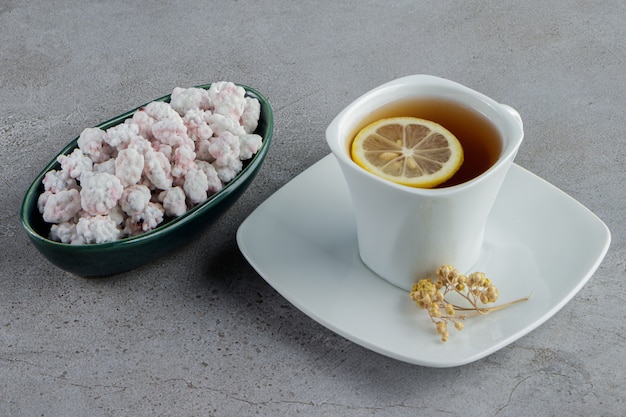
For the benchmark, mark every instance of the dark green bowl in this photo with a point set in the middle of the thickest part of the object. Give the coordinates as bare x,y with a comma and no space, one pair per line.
91,260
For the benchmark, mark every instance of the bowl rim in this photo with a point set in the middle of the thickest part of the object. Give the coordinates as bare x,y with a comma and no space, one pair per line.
34,190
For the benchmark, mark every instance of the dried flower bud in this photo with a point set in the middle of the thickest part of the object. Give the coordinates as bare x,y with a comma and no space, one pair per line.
442,327
449,309
445,270
434,311
492,293
474,288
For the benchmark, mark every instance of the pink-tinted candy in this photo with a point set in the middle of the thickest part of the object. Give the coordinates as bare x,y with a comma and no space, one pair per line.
224,148
121,135
172,132
107,166
196,185
227,99
215,184
135,199
160,110
202,150
75,164
173,201
229,171
220,123
197,126
97,229
251,114
55,181
184,99
92,142
144,123
100,192
249,145
140,144
165,158
62,206
129,166
158,170
64,232
184,160
145,221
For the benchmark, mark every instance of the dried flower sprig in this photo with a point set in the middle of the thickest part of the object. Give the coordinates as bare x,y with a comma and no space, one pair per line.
475,288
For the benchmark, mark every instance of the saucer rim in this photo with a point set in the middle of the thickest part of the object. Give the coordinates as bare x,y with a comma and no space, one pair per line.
246,243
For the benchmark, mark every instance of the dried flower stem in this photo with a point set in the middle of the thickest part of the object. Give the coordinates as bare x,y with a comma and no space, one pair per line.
486,310
475,289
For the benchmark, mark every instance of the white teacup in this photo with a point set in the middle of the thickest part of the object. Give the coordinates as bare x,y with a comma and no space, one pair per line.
406,233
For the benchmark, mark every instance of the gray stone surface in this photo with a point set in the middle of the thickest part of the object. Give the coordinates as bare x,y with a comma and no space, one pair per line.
199,333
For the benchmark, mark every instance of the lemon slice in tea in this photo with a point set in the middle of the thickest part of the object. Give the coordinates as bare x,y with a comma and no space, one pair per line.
409,151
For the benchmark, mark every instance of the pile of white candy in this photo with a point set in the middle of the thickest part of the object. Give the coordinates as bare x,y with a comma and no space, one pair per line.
165,159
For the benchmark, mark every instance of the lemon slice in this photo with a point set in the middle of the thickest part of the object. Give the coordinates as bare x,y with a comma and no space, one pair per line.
408,151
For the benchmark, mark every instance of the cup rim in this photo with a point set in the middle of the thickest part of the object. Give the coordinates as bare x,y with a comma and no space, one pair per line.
403,88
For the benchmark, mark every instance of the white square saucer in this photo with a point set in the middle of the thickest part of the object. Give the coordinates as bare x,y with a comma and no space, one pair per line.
539,242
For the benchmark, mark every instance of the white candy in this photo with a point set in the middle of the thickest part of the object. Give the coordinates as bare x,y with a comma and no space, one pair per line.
249,145
64,232
227,99
62,206
145,221
121,135
215,184
96,229
158,170
75,164
55,181
100,192
92,143
129,166
173,201
160,162
225,148
197,127
184,99
135,199
196,185
251,114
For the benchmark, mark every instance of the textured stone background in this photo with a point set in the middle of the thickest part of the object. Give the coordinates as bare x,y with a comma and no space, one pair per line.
199,332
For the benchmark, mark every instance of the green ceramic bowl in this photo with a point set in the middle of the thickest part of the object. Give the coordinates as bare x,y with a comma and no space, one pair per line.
114,257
